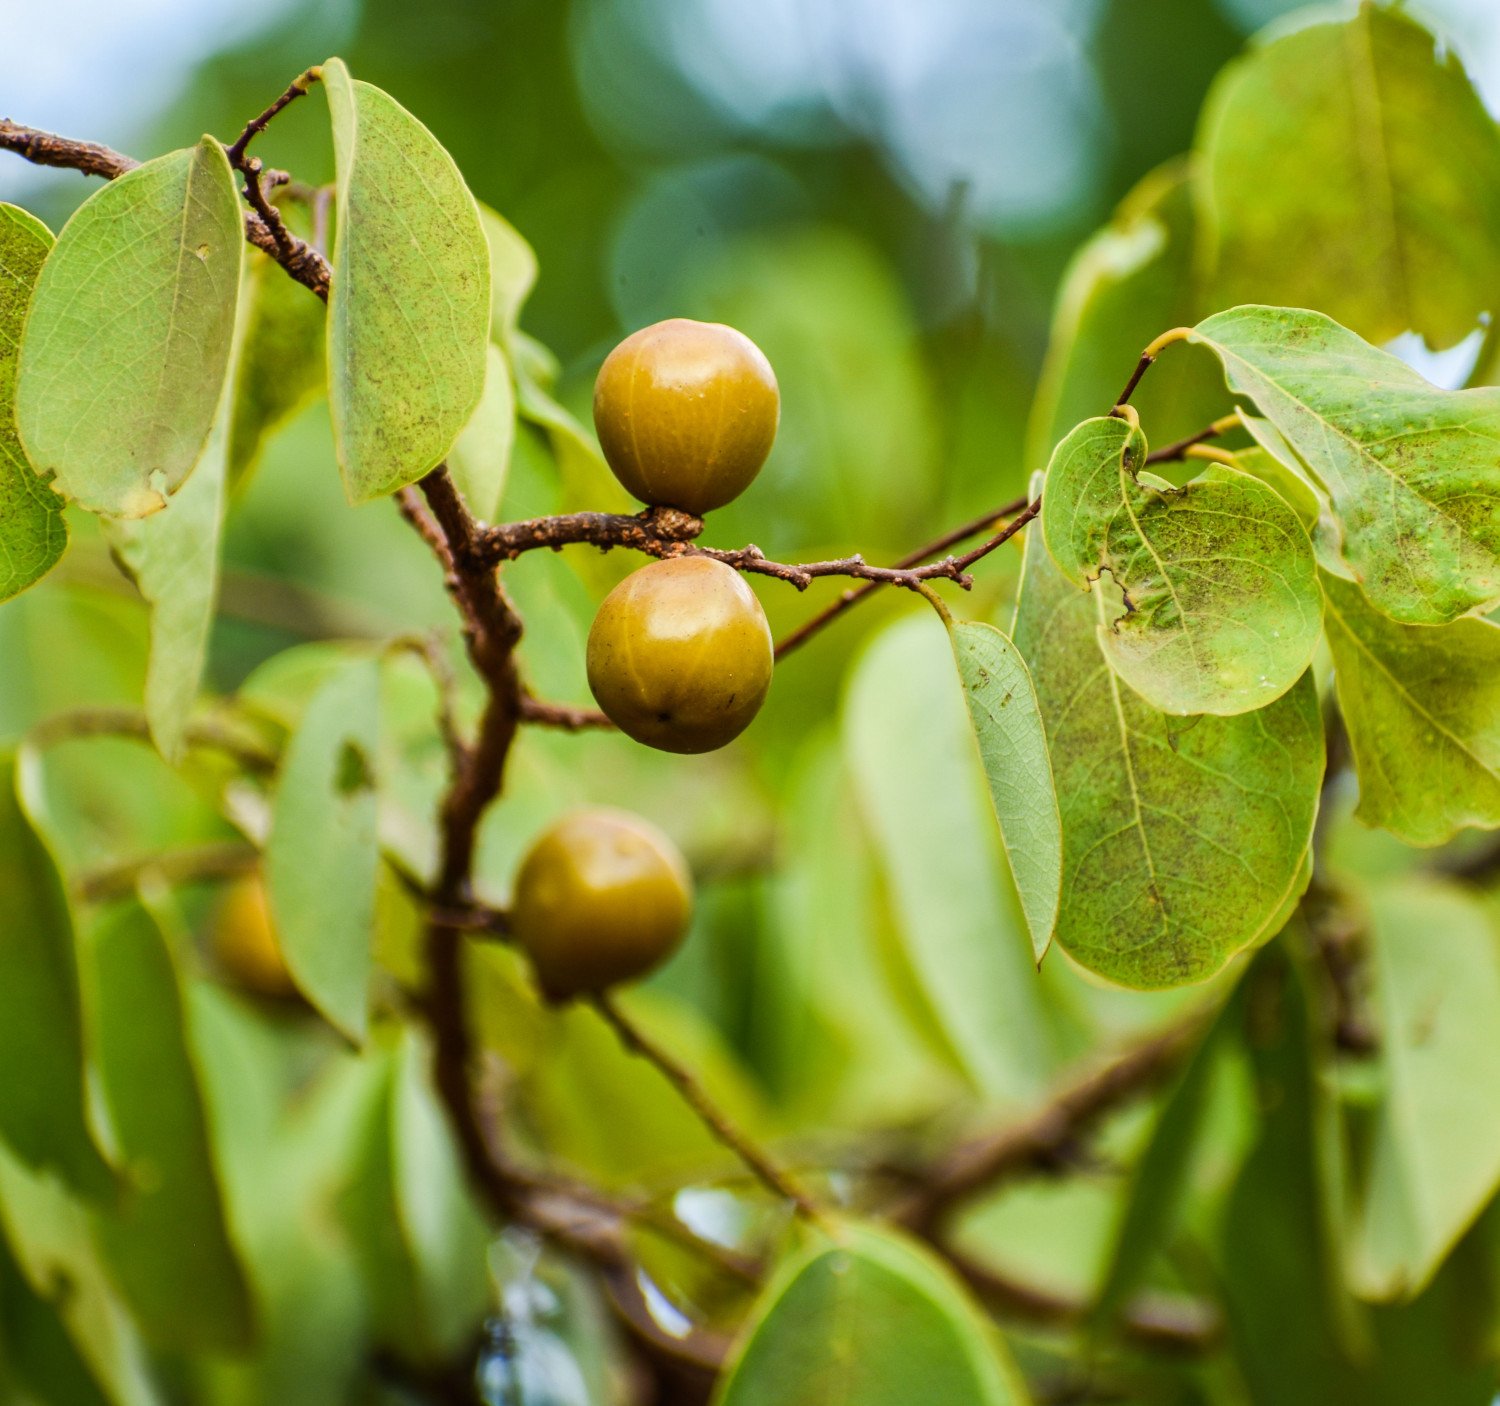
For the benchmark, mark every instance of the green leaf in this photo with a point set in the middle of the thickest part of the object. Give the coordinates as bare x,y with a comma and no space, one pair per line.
33,534
480,458
1348,167
1130,280
867,1317
1221,604
281,364
1422,706
513,271
128,339
168,1243
1007,724
1411,471
409,308
322,857
1435,1153
911,752
42,1111
35,1347
1183,842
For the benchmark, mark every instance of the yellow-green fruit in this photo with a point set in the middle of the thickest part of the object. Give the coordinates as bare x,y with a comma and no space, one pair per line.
601,897
680,655
244,943
686,413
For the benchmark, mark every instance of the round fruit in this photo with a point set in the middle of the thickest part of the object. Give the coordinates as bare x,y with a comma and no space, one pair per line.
686,413
601,897
679,655
244,943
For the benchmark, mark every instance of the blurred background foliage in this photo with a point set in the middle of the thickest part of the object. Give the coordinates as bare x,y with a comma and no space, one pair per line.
893,199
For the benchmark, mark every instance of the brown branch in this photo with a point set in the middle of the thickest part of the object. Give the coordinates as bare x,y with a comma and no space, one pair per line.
561,715
1178,449
288,246
658,531
635,1039
855,594
1041,1141
297,88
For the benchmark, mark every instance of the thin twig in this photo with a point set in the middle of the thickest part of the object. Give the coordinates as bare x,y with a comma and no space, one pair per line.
131,723
681,1078
227,860
297,88
1168,453
561,715
1177,334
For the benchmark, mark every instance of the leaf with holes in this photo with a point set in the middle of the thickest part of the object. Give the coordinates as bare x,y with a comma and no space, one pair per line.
1184,842
864,1315
322,857
1218,580
1320,185
1422,706
409,308
127,343
1412,472
33,534
1007,724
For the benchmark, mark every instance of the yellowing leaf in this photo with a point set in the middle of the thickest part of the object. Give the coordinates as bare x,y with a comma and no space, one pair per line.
127,343
33,534
409,307
1221,604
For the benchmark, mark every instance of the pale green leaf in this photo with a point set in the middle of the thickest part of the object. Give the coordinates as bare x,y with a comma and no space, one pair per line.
35,1348
1348,167
1129,281
480,458
322,857
1422,706
409,308
1184,842
1412,472
42,1111
1435,1151
127,343
1221,603
911,752
1013,748
865,1317
513,271
168,1242
33,534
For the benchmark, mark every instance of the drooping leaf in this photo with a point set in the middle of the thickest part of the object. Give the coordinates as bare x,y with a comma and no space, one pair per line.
911,752
168,1241
1321,186
1435,1152
866,1317
1422,706
513,271
35,1348
1220,588
480,458
1183,841
127,344
1411,471
322,857
1013,747
1130,280
409,308
33,534
42,1110
281,363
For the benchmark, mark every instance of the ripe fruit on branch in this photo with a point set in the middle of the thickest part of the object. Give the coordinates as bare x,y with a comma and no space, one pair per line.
679,655
244,943
686,413
601,897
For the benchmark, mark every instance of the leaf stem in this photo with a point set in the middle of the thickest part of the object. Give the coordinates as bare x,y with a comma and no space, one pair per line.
1152,351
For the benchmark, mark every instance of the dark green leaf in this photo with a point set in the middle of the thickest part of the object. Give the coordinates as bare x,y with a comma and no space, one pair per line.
1183,842
1349,167
128,339
1411,471
409,309
1221,604
168,1242
42,1111
33,534
866,1317
322,857
1422,706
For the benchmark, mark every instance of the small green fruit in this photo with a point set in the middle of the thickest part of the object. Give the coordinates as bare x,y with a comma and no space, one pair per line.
680,655
686,413
601,897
